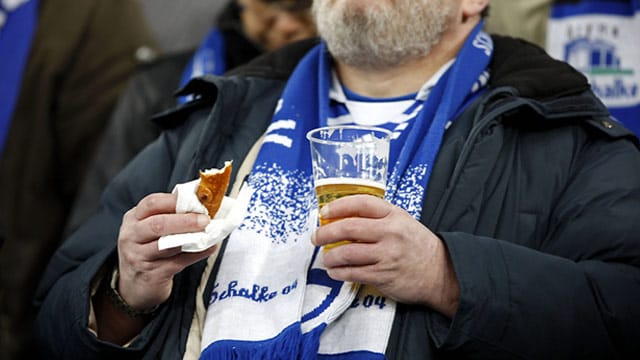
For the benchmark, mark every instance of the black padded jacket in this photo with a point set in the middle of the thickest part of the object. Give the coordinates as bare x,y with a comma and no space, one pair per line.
535,192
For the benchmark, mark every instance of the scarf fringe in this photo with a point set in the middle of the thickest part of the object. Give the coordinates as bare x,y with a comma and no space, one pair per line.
290,344
311,343
355,355
284,346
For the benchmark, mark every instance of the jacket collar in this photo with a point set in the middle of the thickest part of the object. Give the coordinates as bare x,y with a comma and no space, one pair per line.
532,72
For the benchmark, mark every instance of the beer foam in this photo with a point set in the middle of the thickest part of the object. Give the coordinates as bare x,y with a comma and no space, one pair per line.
350,181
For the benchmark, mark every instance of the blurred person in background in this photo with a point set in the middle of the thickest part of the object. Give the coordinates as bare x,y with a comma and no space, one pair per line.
244,30
63,65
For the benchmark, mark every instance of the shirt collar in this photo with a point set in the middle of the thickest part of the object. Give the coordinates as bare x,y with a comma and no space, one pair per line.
336,93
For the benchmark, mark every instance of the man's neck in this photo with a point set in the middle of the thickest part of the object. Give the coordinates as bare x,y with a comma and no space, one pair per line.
408,77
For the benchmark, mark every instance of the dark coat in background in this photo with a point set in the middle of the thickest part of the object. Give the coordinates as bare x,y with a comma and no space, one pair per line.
82,56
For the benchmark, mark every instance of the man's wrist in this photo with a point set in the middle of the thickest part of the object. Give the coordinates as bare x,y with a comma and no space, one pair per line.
122,305
111,323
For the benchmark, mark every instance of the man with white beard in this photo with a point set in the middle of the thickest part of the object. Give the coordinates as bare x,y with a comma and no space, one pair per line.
509,227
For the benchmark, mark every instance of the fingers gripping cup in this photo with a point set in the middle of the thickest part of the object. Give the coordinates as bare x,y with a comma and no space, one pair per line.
348,160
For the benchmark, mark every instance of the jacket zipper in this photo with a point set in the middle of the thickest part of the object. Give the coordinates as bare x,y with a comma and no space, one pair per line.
480,124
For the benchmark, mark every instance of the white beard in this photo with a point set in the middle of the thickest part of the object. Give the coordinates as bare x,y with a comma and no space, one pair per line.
381,35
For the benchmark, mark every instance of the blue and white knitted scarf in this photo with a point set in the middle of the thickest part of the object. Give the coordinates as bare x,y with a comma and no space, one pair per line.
272,298
18,21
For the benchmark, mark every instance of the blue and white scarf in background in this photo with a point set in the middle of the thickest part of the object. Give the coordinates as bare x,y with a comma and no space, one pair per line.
18,19
599,38
209,58
272,298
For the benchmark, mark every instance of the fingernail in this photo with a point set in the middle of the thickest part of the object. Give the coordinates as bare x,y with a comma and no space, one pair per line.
324,211
203,220
313,238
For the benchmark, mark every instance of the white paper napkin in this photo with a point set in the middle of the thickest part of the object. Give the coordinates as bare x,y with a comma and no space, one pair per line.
229,216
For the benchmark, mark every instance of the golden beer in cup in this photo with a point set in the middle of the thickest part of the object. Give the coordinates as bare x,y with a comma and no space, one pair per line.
348,160
327,191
